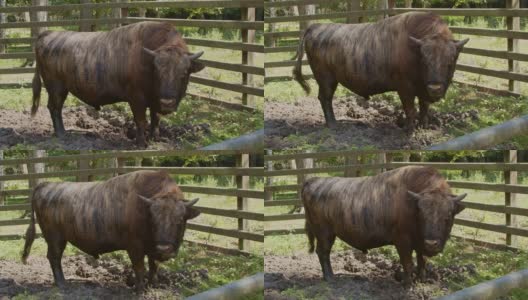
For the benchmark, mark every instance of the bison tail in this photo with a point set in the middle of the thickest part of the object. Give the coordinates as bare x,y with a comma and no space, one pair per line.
37,87
297,69
30,237
311,237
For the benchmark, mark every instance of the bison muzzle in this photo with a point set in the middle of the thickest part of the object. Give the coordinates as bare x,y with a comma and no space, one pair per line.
143,213
411,208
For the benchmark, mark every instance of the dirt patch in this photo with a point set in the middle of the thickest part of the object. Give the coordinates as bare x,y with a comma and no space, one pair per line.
86,277
374,123
88,129
357,276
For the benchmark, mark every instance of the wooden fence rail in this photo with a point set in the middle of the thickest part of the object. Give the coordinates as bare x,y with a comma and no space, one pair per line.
247,46
510,188
118,160
512,34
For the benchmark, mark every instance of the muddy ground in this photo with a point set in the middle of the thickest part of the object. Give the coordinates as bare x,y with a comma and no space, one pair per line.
357,276
88,129
88,278
375,123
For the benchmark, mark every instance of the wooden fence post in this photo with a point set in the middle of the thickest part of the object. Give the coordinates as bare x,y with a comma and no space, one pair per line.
303,11
389,157
2,197
303,163
38,16
408,3
382,4
83,164
86,13
116,14
3,47
270,42
35,168
248,36
513,23
138,161
381,158
242,182
268,195
510,177
353,5
124,13
120,164
352,159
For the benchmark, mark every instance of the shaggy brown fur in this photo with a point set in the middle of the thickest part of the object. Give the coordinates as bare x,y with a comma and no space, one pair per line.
142,212
146,64
406,207
413,54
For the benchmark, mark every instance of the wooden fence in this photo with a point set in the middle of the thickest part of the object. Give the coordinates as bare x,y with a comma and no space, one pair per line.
247,44
128,161
357,163
513,34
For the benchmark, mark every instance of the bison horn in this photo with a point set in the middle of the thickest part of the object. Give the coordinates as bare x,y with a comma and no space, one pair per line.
414,195
459,198
149,52
460,44
147,200
196,55
191,202
416,41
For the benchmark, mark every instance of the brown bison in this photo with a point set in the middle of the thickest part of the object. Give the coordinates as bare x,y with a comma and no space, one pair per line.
413,54
146,64
142,212
411,208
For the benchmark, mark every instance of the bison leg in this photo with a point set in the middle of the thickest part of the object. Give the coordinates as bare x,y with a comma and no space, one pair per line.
422,261
327,86
325,241
153,271
154,125
409,109
138,265
140,117
55,249
424,113
57,96
405,253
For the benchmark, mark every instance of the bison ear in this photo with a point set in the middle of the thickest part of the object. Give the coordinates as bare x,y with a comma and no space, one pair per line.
460,44
415,42
146,200
149,52
196,66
